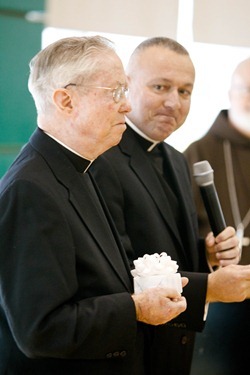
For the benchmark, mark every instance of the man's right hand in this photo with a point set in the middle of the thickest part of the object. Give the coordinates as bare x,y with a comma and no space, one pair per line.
229,284
159,305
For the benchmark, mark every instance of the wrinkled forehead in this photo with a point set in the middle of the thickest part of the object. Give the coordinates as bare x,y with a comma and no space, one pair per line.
110,67
109,61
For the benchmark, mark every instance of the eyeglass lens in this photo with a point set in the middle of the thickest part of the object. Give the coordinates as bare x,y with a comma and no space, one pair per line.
119,92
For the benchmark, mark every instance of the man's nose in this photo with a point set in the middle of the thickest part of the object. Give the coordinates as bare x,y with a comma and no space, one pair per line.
125,105
172,99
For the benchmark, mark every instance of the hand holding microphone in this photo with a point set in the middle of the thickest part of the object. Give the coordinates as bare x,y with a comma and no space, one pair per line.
204,176
227,250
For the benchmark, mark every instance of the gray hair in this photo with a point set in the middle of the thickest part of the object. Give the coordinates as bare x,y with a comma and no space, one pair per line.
65,61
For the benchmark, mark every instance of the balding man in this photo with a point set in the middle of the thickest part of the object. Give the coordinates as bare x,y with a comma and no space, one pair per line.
227,148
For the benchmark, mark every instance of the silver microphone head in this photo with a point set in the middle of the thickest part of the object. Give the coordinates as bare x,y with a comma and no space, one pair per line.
203,173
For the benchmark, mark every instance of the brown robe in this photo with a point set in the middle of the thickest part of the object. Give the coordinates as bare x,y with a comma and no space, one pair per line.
210,148
223,347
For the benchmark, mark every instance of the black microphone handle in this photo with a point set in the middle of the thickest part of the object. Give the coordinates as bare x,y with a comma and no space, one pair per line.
213,208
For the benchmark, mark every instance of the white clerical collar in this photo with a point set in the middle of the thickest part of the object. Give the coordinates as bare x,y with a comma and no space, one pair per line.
70,149
138,131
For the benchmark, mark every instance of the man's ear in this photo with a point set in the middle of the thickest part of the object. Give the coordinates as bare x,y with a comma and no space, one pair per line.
62,99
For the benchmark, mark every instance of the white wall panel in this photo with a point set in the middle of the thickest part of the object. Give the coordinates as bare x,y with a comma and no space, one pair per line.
131,17
222,22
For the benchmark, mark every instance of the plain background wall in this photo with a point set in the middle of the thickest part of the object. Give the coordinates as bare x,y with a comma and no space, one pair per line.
210,21
19,41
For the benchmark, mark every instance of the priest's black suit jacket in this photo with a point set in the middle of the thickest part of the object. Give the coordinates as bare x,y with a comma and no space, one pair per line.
65,282
149,222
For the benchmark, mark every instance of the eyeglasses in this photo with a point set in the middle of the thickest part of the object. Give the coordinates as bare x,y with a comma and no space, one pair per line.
118,93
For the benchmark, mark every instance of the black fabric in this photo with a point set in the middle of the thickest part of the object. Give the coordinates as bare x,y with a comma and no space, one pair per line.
65,296
144,208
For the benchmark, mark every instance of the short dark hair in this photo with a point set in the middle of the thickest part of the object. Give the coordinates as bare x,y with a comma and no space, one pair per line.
169,43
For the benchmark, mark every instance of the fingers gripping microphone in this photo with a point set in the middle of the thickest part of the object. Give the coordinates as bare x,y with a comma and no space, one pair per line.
204,176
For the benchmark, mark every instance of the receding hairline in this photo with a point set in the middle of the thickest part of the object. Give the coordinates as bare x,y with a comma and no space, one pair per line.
164,42
240,71
63,46
65,61
241,65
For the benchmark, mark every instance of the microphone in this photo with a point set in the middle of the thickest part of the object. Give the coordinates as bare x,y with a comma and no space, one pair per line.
204,176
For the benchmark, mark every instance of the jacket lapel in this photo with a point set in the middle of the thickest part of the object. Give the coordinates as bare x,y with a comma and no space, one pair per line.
184,195
143,168
83,198
86,202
